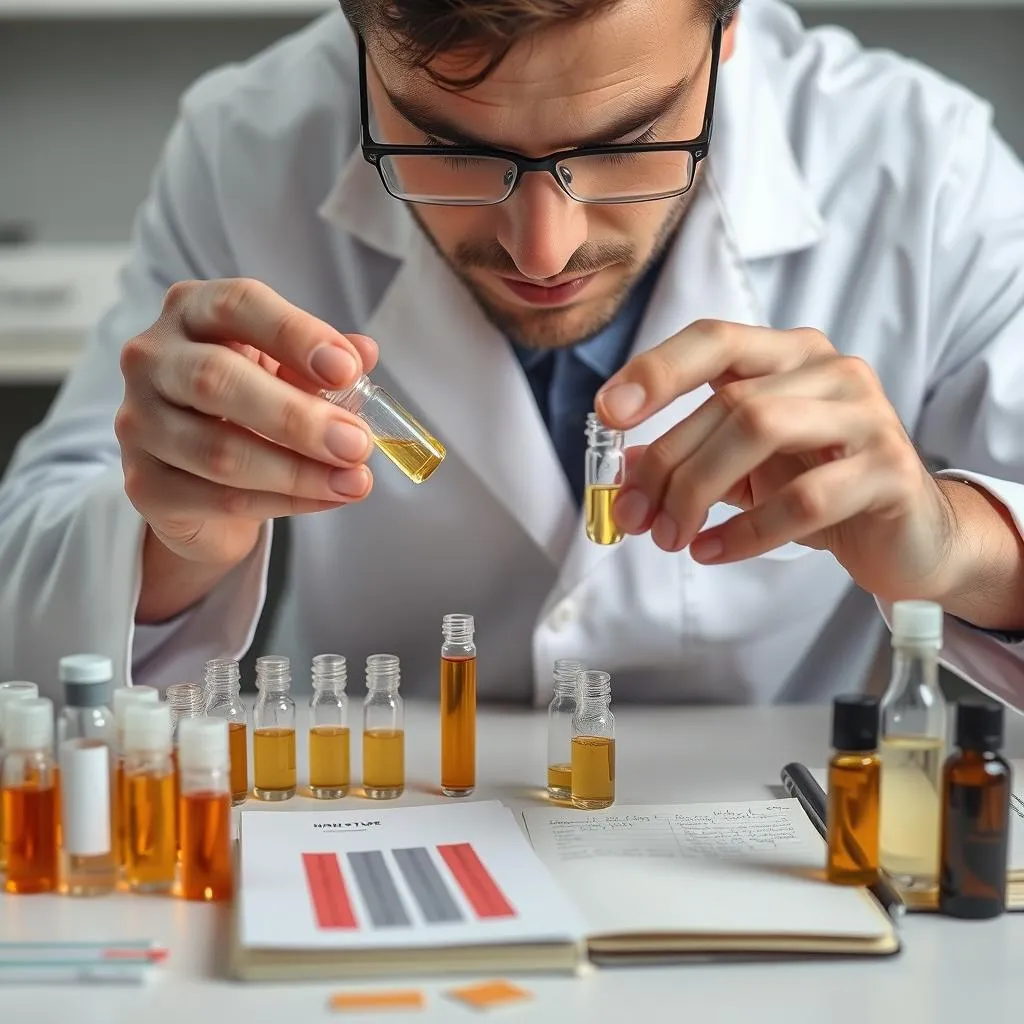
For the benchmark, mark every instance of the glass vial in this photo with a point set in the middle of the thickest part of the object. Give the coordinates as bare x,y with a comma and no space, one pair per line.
149,804
854,789
458,706
10,691
273,738
914,731
28,790
396,432
566,680
185,700
593,744
605,472
383,729
205,809
86,754
976,792
223,700
123,697
329,753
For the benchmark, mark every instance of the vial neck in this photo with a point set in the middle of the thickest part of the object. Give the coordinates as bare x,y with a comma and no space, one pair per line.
382,672
223,678
330,673
915,667
600,436
273,674
458,630
352,398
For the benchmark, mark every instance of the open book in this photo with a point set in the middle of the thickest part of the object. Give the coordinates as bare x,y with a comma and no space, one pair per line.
711,880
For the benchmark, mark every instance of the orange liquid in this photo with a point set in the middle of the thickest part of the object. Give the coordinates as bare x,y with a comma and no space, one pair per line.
152,840
177,799
239,746
118,816
458,724
30,838
206,846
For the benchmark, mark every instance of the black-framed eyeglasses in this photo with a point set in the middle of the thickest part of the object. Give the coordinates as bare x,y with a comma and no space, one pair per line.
446,175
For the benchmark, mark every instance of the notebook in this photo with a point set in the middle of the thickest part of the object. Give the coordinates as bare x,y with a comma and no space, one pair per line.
406,890
714,880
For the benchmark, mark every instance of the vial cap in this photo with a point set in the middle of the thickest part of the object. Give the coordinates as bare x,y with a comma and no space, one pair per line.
147,727
203,743
125,695
979,726
85,668
917,622
12,691
28,724
855,723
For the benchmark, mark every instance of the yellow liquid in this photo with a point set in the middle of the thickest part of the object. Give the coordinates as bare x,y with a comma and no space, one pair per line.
274,763
560,781
329,760
150,813
458,726
414,458
601,526
238,743
383,762
593,772
911,809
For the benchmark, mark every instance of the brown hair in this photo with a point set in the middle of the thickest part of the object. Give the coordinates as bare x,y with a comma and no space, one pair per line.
424,29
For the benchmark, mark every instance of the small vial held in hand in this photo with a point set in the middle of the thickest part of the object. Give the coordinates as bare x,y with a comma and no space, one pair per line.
593,744
605,473
567,677
383,729
329,755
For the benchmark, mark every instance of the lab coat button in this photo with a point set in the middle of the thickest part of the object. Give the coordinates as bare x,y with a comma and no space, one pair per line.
563,614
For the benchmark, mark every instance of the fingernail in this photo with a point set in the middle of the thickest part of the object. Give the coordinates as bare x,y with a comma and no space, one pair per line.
623,401
351,483
706,549
665,532
333,365
631,509
346,442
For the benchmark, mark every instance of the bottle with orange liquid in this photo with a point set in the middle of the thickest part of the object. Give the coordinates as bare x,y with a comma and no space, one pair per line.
273,737
123,697
329,756
223,700
383,729
458,706
10,691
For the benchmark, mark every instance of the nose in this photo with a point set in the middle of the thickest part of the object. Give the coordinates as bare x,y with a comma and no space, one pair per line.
542,228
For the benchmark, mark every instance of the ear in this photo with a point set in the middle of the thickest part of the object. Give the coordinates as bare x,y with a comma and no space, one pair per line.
729,38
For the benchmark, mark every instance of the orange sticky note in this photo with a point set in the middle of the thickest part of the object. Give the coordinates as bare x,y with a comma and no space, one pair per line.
490,994
397,999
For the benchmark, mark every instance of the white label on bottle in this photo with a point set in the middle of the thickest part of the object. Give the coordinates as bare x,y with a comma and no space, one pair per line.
85,797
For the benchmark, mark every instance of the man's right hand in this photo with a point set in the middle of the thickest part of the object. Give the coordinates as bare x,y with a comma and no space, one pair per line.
222,428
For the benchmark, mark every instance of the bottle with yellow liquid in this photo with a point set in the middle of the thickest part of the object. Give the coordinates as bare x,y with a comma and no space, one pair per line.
383,729
566,681
593,744
604,475
223,700
273,739
458,705
913,748
329,756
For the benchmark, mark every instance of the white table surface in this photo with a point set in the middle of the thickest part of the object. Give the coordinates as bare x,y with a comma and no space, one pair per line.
949,971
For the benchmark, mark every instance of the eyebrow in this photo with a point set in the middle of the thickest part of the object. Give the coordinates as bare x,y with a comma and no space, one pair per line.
640,113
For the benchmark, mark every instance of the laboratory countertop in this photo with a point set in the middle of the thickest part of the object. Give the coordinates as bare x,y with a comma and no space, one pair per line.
949,970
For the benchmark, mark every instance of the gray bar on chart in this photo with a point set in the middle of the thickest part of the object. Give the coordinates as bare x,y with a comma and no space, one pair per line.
383,903
427,885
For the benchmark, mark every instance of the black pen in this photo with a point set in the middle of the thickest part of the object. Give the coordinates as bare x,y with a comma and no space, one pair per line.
800,783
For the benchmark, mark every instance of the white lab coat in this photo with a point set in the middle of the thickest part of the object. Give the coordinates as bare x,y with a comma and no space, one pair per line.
845,190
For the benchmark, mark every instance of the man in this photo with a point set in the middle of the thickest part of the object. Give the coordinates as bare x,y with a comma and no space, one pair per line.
789,269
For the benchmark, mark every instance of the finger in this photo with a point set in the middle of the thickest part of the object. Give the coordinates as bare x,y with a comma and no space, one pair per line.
702,353
368,352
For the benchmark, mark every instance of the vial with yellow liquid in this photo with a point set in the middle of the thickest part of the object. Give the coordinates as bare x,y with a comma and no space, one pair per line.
396,432
223,700
605,473
593,744
383,729
329,758
273,738
566,683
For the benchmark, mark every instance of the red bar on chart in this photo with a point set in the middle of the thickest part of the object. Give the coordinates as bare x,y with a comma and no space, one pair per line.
331,905
484,896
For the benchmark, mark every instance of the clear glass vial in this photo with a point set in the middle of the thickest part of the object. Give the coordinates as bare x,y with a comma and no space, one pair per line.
396,432
383,729
273,738
566,680
329,738
458,705
593,744
123,697
604,475
223,700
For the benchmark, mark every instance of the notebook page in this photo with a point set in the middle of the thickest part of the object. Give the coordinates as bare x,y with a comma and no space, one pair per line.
717,869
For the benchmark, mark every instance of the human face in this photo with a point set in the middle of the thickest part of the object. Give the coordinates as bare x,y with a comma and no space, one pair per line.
550,271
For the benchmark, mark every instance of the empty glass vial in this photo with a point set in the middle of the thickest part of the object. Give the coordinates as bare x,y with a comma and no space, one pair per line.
593,744
10,691
273,738
396,432
28,790
605,472
383,729
458,705
329,754
566,679
223,700
86,754
123,697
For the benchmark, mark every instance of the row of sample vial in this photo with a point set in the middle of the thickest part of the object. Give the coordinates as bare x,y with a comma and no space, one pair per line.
901,802
112,793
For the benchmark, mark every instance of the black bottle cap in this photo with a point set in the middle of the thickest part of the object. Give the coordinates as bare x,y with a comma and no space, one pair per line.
855,723
979,726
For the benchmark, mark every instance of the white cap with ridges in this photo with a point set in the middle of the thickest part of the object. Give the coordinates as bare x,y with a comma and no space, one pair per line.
28,724
11,691
147,727
203,744
85,668
917,623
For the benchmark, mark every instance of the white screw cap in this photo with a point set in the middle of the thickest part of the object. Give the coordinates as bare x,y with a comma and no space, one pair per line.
147,726
28,724
125,695
85,668
203,744
917,623
12,691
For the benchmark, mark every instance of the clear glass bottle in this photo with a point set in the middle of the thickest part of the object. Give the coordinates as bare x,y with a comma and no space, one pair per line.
10,691
383,729
593,744
86,754
28,787
605,473
914,734
223,700
123,697
458,705
273,738
566,680
329,739
152,842
396,432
